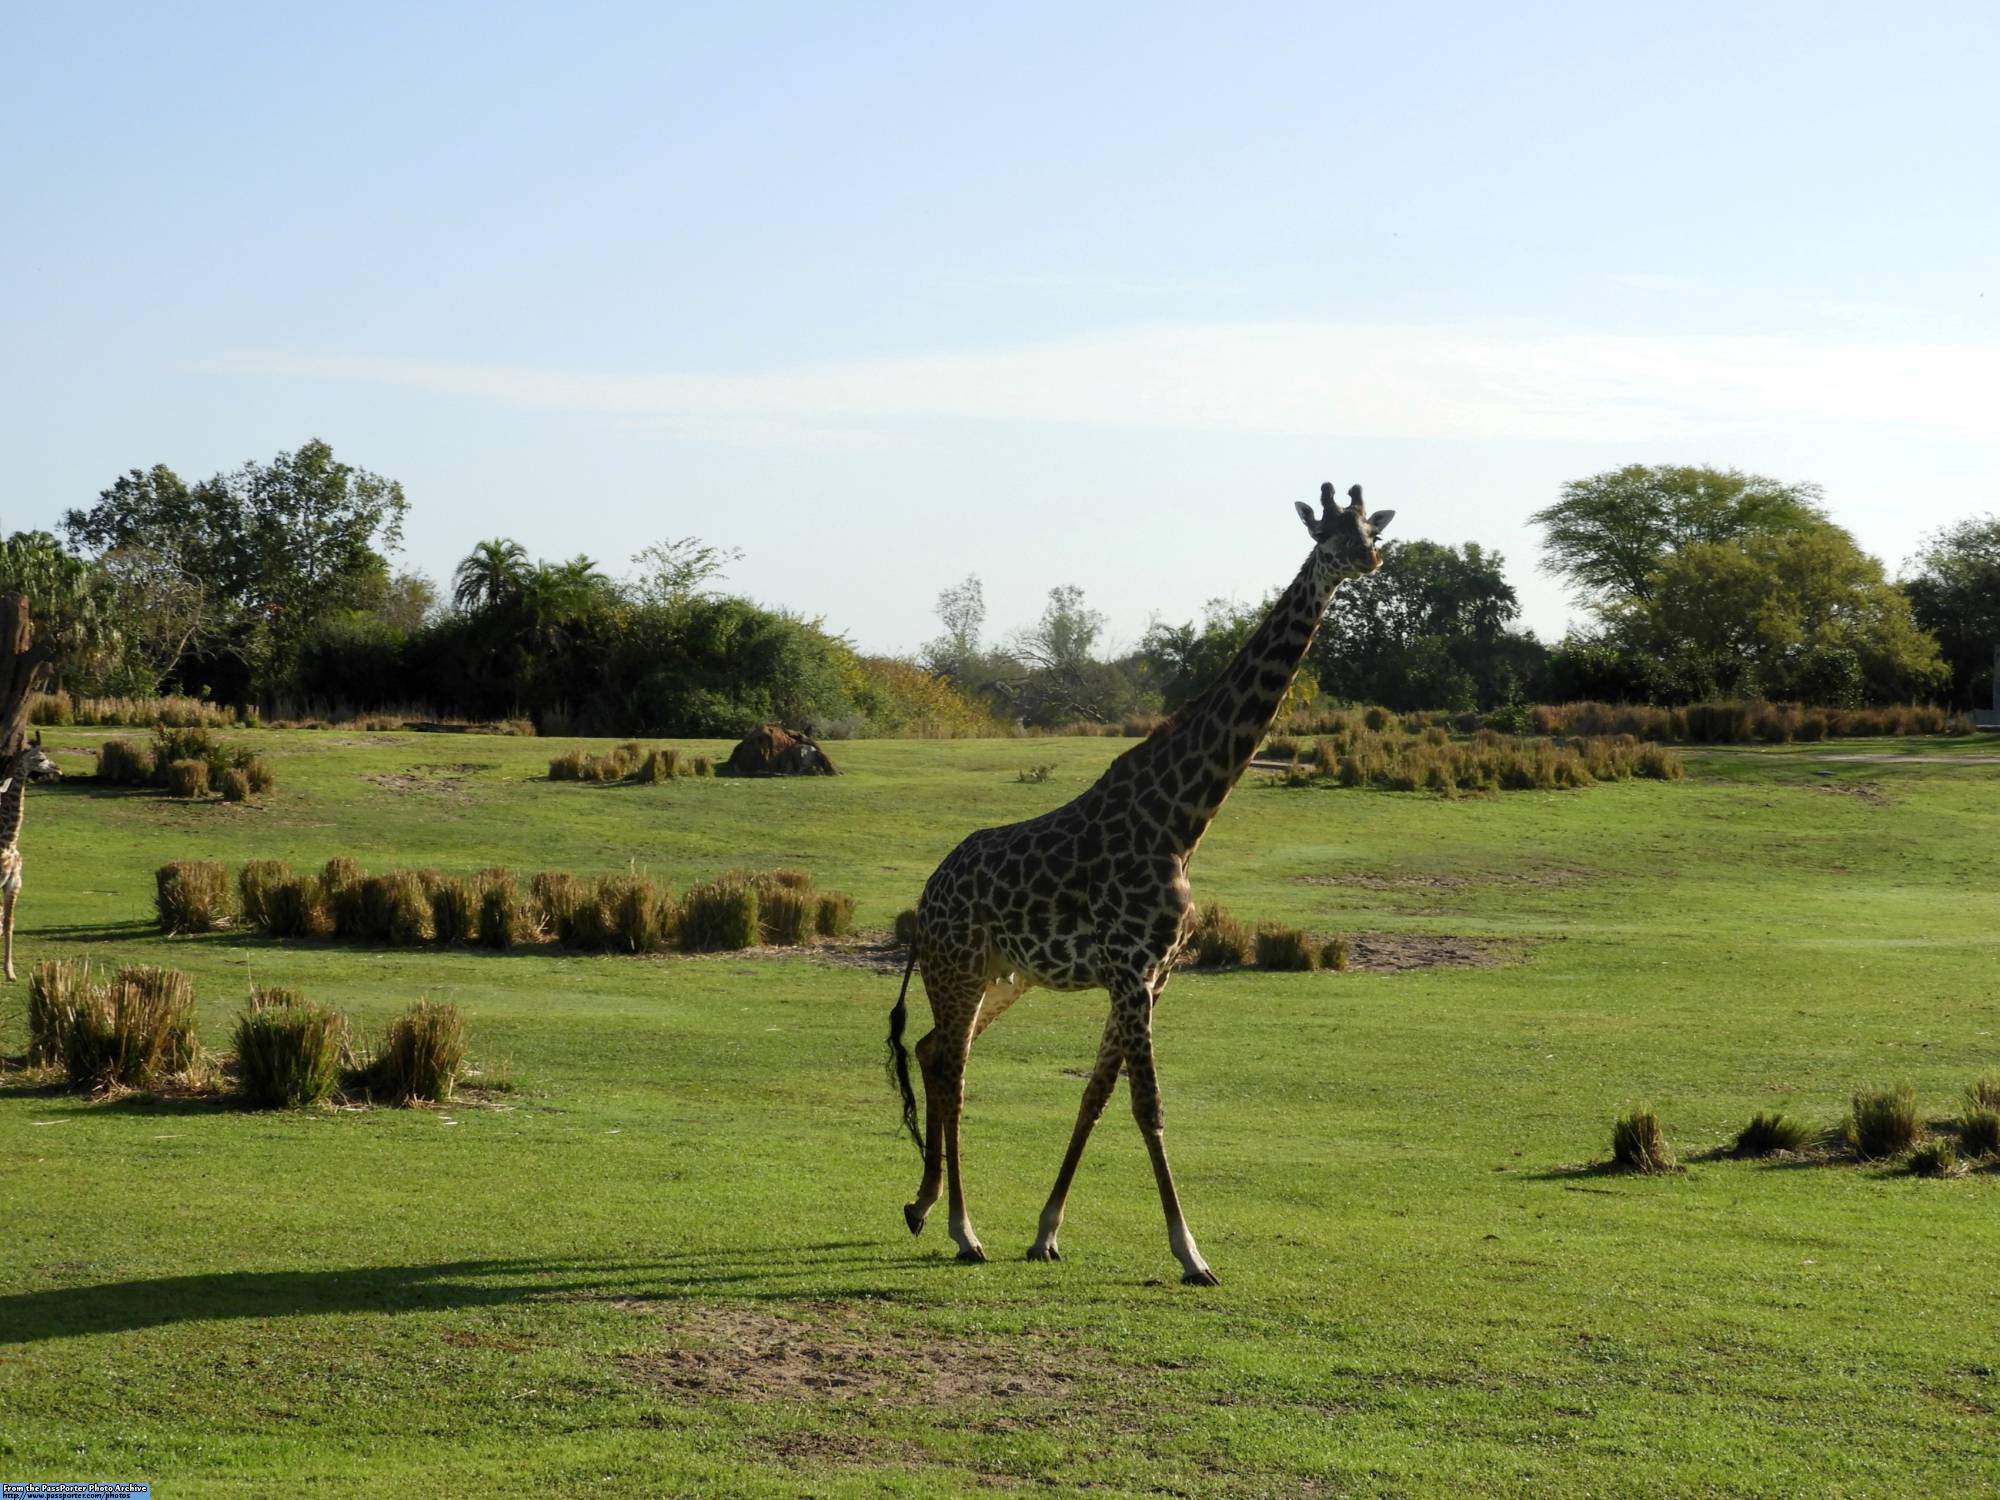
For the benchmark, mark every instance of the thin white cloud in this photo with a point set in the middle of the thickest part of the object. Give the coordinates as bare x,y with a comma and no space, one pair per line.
1507,383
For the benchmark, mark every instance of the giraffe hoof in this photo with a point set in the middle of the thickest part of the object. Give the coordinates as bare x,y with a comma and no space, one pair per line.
1044,1252
913,1217
973,1255
1202,1277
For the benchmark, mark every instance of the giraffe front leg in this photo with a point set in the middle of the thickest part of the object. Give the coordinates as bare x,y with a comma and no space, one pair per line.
8,922
968,1244
1134,1011
1096,1094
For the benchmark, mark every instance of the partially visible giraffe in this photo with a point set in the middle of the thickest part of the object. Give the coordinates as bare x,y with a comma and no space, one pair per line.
27,764
1095,894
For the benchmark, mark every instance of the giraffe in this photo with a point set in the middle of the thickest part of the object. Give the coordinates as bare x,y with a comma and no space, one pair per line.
28,763
1095,895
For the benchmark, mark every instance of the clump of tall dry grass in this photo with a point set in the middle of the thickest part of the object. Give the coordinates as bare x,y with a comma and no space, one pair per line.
1219,941
289,1050
1638,1144
136,1031
193,895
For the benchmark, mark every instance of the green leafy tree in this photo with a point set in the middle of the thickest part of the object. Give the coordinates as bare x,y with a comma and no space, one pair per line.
1955,594
961,609
672,572
1805,615
1610,533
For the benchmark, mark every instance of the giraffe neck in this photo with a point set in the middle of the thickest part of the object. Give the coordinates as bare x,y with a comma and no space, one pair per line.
13,803
1185,771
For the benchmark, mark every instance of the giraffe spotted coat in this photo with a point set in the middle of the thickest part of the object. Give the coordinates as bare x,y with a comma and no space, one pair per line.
1095,895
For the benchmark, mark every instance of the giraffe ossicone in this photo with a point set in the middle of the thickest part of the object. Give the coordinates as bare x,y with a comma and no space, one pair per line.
1095,895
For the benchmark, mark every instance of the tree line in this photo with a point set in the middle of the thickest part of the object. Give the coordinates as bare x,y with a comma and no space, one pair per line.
274,584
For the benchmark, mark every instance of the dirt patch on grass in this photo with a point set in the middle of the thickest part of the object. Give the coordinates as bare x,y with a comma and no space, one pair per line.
1400,952
841,1351
1861,791
447,778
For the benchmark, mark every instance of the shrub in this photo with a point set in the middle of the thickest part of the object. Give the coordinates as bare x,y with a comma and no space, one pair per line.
556,894
785,915
1979,1131
258,772
718,916
421,1056
235,786
636,915
1883,1123
136,1032
187,778
1333,954
1220,941
125,763
297,907
56,987
1285,948
1936,1157
1769,1134
193,895
1638,1144
289,1051
663,764
702,766
906,927
505,918
404,902
455,911
834,916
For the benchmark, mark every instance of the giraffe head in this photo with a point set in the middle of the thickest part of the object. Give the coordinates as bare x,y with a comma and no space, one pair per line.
30,764
1344,532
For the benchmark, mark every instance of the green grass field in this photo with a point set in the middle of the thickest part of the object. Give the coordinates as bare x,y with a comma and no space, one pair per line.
670,1258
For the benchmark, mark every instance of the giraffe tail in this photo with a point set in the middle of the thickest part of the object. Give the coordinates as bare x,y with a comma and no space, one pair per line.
899,1057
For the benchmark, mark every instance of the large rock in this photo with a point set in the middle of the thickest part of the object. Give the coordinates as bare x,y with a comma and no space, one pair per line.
776,751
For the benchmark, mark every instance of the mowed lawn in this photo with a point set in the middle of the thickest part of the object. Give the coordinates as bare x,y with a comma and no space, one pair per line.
669,1258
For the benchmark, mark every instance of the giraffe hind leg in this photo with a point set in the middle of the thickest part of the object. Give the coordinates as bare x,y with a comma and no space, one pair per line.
8,922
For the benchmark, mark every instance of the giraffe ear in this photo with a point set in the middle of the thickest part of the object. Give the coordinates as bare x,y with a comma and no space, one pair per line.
1380,519
1309,516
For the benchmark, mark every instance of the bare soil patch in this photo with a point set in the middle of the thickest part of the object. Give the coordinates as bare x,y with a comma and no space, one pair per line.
1400,952
447,778
842,1351
1861,791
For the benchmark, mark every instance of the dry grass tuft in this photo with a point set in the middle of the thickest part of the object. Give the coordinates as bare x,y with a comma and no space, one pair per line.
1334,954
717,916
1979,1131
1936,1157
1883,1124
289,1051
1770,1134
193,895
1638,1144
56,987
1220,941
135,1032
421,1056
834,916
1286,949
187,778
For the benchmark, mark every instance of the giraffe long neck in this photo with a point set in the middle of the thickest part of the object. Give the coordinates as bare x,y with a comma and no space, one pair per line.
1184,772
13,803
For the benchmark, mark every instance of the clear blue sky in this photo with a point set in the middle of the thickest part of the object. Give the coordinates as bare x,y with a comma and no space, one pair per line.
1055,294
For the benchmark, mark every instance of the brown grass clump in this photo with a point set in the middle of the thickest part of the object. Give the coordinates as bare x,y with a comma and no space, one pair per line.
786,915
421,1056
1334,954
1220,941
1883,1123
125,763
297,907
135,1032
556,894
56,987
718,916
235,786
1285,948
289,1051
193,895
1984,1092
637,915
455,906
1771,1134
187,778
702,766
257,772
1936,1157
254,883
568,766
1638,1144
506,917
663,764
402,902
586,922
906,927
1979,1131
834,915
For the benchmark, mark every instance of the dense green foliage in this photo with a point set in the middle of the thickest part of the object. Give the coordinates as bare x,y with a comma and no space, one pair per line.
1955,594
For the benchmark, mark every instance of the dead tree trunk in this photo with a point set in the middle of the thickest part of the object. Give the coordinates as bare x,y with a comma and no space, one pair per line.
24,667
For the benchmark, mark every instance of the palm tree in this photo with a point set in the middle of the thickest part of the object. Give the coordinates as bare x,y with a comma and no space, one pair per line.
492,574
